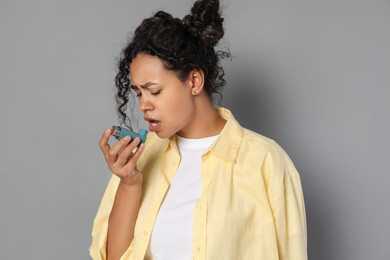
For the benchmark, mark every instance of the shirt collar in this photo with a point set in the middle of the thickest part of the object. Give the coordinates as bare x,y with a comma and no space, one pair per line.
228,143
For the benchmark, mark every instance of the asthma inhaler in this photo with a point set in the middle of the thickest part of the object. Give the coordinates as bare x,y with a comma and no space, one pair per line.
119,132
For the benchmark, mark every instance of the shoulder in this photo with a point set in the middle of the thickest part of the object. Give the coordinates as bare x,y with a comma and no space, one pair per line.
252,148
269,159
260,144
267,152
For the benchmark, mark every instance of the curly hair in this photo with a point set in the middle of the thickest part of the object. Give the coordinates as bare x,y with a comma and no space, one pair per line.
181,45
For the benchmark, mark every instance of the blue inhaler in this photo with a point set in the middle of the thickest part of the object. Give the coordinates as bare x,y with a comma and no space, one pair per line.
119,132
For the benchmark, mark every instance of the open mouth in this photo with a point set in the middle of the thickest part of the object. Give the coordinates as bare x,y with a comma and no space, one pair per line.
154,125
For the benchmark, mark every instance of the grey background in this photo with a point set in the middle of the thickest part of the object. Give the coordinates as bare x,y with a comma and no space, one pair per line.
313,75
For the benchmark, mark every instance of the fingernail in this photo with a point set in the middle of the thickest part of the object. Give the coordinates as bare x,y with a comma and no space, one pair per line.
108,131
126,138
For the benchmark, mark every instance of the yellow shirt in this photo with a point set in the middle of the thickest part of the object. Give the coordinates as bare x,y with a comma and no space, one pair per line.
251,205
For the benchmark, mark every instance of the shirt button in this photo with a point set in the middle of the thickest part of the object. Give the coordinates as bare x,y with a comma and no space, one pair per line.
198,249
159,193
146,233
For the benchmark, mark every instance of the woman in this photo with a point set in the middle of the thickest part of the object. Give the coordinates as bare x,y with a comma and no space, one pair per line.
201,187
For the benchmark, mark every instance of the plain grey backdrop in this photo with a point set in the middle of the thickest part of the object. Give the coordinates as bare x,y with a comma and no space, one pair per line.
312,75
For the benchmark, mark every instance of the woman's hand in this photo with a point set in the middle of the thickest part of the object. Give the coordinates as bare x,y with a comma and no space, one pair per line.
122,157
122,161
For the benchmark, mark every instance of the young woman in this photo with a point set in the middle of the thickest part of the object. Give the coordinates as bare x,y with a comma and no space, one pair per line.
201,187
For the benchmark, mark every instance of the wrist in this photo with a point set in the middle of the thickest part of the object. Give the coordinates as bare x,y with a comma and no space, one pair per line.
131,186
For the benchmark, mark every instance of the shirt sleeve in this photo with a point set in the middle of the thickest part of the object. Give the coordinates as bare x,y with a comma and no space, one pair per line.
98,246
288,209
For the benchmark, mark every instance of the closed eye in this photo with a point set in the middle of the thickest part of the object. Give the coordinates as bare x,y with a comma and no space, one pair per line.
155,93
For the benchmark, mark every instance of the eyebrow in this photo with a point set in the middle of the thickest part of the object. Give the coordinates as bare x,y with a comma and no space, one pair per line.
148,84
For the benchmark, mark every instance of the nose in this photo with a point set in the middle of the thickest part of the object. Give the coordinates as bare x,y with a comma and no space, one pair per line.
144,104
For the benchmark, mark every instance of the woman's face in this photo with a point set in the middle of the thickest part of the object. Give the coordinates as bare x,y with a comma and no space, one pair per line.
165,100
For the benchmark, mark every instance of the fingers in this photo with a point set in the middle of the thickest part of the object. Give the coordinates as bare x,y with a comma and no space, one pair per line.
111,153
114,152
133,160
127,152
122,157
104,146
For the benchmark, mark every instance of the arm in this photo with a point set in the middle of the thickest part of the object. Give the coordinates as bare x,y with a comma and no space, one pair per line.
287,205
290,219
122,219
121,160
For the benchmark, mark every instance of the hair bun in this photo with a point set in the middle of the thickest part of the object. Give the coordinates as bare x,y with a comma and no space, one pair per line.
163,15
205,21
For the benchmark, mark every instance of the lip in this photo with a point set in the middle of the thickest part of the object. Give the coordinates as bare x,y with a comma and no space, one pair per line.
154,125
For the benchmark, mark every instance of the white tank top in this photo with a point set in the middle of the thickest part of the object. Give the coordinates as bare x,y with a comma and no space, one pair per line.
171,238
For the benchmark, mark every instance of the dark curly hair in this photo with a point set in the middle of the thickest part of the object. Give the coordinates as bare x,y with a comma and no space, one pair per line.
181,45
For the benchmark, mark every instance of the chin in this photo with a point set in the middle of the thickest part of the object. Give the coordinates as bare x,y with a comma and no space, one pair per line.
163,135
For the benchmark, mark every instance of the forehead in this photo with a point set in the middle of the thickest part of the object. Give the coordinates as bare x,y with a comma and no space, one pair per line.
146,68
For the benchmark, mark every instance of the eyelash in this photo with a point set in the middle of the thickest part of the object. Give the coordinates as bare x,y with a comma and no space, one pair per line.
153,93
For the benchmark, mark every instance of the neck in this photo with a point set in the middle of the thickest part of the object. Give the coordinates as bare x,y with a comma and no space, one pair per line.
206,120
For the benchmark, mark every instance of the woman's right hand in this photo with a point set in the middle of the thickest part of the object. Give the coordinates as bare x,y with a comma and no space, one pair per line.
121,158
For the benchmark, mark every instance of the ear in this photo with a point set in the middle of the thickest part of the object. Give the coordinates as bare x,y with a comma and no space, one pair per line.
196,81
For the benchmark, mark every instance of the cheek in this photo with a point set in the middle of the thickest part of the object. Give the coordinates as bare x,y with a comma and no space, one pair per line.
178,107
179,99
